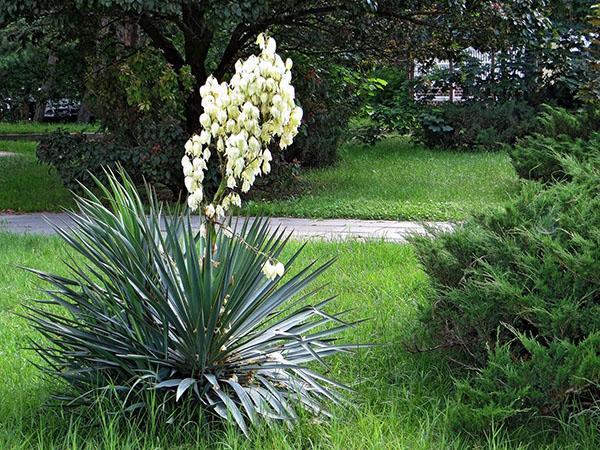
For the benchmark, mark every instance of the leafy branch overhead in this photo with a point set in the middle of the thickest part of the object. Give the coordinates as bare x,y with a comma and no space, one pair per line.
209,36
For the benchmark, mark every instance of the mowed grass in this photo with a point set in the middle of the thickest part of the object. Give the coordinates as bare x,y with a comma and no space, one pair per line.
401,400
25,127
27,185
399,179
396,179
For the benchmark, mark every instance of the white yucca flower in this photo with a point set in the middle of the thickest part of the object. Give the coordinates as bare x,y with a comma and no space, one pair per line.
240,121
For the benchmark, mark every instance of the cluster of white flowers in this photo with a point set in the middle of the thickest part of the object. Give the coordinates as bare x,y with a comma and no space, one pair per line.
240,122
273,271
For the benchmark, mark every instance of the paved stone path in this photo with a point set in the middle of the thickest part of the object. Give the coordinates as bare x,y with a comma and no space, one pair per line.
327,229
5,154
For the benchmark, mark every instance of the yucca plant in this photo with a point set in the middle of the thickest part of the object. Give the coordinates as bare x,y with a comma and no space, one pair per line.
154,305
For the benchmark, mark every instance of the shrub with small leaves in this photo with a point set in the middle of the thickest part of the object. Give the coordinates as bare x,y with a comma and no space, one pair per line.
556,122
542,158
476,126
517,300
558,136
329,100
149,158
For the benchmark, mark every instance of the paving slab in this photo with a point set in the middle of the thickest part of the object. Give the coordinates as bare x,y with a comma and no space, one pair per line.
324,229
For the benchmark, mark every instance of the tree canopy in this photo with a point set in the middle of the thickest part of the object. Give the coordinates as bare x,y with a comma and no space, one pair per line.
200,37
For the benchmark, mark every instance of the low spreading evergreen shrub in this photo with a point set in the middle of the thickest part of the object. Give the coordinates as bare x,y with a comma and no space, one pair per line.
555,122
558,134
517,301
542,158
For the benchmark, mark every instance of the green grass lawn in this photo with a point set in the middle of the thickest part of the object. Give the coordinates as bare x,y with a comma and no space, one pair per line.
400,179
395,179
44,127
402,401
27,185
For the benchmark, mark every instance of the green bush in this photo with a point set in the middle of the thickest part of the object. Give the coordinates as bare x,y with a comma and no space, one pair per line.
435,131
368,133
560,122
327,99
557,134
475,126
542,158
558,379
388,107
393,107
76,157
517,299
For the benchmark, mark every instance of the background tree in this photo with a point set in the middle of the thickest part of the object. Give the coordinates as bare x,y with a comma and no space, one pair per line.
146,60
38,62
209,36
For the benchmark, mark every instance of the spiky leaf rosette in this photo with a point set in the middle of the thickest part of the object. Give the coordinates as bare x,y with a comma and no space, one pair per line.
152,305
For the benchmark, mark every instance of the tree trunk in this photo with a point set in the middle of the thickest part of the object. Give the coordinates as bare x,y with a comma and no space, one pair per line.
197,41
410,65
193,109
451,71
84,115
45,89
130,33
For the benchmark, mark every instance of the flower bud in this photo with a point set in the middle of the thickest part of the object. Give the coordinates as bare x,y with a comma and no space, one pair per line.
209,211
188,146
205,120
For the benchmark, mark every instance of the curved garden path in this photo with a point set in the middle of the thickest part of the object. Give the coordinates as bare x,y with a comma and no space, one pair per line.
327,229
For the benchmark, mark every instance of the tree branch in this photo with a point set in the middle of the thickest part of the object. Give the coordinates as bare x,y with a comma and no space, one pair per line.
171,53
244,32
233,46
411,17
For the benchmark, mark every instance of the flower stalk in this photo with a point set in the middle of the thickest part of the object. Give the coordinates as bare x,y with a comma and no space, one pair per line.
240,122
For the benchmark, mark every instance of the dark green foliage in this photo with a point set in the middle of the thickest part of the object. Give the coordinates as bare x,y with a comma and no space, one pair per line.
542,158
138,103
475,126
388,106
140,91
556,379
151,158
155,311
517,297
393,107
368,133
558,134
27,77
436,131
556,122
328,103
284,181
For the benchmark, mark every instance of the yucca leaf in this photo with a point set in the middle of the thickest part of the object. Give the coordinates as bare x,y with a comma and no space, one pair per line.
183,386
